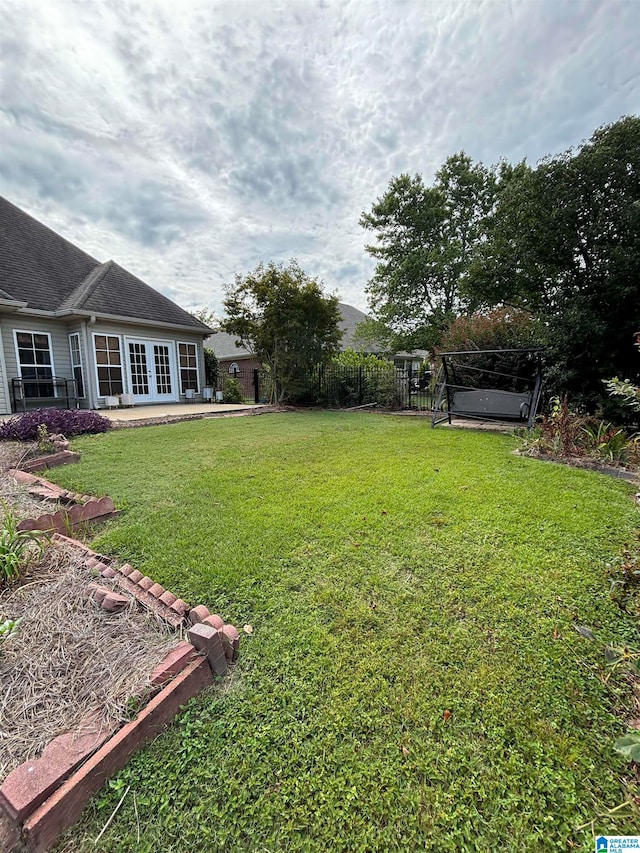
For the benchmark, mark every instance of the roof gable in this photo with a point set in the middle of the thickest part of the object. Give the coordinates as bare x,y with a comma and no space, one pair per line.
49,273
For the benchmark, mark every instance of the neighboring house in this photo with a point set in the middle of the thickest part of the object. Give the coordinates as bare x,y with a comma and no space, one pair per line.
77,332
238,359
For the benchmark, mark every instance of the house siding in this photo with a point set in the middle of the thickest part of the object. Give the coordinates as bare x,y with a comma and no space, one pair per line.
5,405
153,333
27,323
59,331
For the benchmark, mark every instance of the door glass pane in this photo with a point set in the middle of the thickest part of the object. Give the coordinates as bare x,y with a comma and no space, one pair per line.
163,368
138,359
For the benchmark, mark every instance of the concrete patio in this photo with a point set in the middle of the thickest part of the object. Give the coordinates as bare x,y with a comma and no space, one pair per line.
177,411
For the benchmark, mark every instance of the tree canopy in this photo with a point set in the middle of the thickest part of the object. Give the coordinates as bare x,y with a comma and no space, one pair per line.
425,240
561,240
283,316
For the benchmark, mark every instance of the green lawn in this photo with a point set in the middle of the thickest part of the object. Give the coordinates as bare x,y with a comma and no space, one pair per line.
392,573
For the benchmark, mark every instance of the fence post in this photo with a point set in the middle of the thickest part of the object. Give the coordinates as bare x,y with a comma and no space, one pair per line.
256,385
409,386
360,385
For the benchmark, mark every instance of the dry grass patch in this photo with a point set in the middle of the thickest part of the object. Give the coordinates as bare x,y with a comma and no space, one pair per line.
69,657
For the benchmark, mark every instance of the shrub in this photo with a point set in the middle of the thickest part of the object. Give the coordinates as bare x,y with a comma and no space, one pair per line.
233,392
564,432
211,367
69,422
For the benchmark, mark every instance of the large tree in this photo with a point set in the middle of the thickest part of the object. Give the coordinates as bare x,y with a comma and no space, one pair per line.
425,240
564,242
284,317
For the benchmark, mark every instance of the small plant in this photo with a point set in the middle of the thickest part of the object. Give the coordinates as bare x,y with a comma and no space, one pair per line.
233,392
8,629
560,433
625,389
15,545
44,442
609,442
66,421
629,746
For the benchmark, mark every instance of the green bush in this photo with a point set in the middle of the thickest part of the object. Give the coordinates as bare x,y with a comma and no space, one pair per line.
233,391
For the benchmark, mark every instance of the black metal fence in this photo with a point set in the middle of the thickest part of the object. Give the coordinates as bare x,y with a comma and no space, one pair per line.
335,386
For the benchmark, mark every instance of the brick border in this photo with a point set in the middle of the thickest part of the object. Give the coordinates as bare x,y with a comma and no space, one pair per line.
42,798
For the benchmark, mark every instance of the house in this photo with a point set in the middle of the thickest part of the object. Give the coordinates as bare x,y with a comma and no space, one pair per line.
237,360
78,332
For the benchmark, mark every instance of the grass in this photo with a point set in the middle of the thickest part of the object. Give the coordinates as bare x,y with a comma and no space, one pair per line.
414,680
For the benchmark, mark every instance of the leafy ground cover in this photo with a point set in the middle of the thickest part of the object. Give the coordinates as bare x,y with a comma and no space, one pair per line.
414,679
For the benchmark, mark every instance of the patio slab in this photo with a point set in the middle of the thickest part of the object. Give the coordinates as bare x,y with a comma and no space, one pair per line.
180,410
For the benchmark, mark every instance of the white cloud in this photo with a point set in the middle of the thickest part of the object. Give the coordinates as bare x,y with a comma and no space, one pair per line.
190,141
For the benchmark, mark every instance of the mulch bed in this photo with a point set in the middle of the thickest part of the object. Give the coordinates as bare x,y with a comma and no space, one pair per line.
69,657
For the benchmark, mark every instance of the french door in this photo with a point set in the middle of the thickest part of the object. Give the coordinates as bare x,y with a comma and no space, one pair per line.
152,372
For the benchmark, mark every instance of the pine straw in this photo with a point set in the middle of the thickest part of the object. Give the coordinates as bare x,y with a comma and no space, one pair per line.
16,497
69,657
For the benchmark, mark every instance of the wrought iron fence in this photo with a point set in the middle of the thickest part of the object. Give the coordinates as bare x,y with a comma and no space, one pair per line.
336,386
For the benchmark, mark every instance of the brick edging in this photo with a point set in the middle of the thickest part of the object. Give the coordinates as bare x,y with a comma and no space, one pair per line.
41,798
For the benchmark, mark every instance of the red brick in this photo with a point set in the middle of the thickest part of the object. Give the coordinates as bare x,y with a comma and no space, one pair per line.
9,833
181,607
215,621
60,537
156,590
173,663
29,785
23,478
154,604
206,639
168,598
94,508
62,809
198,614
135,576
108,572
115,603
125,569
234,638
52,460
146,583
97,593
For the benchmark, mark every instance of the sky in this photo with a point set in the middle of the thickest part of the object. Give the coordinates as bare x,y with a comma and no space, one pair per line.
189,141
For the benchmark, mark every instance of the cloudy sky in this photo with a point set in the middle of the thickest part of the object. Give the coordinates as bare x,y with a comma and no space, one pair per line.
191,140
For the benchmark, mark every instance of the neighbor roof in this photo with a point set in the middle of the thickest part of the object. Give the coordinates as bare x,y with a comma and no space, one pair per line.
48,273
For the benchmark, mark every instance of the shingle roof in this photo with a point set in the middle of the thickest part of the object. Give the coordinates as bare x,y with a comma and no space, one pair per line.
41,268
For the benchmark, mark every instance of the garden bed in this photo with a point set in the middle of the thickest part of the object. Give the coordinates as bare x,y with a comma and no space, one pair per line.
70,658
81,661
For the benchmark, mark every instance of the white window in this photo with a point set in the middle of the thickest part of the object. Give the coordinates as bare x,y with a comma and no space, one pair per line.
233,368
35,363
76,364
188,362
108,365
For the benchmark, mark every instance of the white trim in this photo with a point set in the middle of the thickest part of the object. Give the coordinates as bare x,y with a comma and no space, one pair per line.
17,332
123,365
73,366
175,381
233,368
3,377
189,344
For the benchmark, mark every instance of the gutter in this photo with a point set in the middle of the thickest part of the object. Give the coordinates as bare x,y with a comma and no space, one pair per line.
20,308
